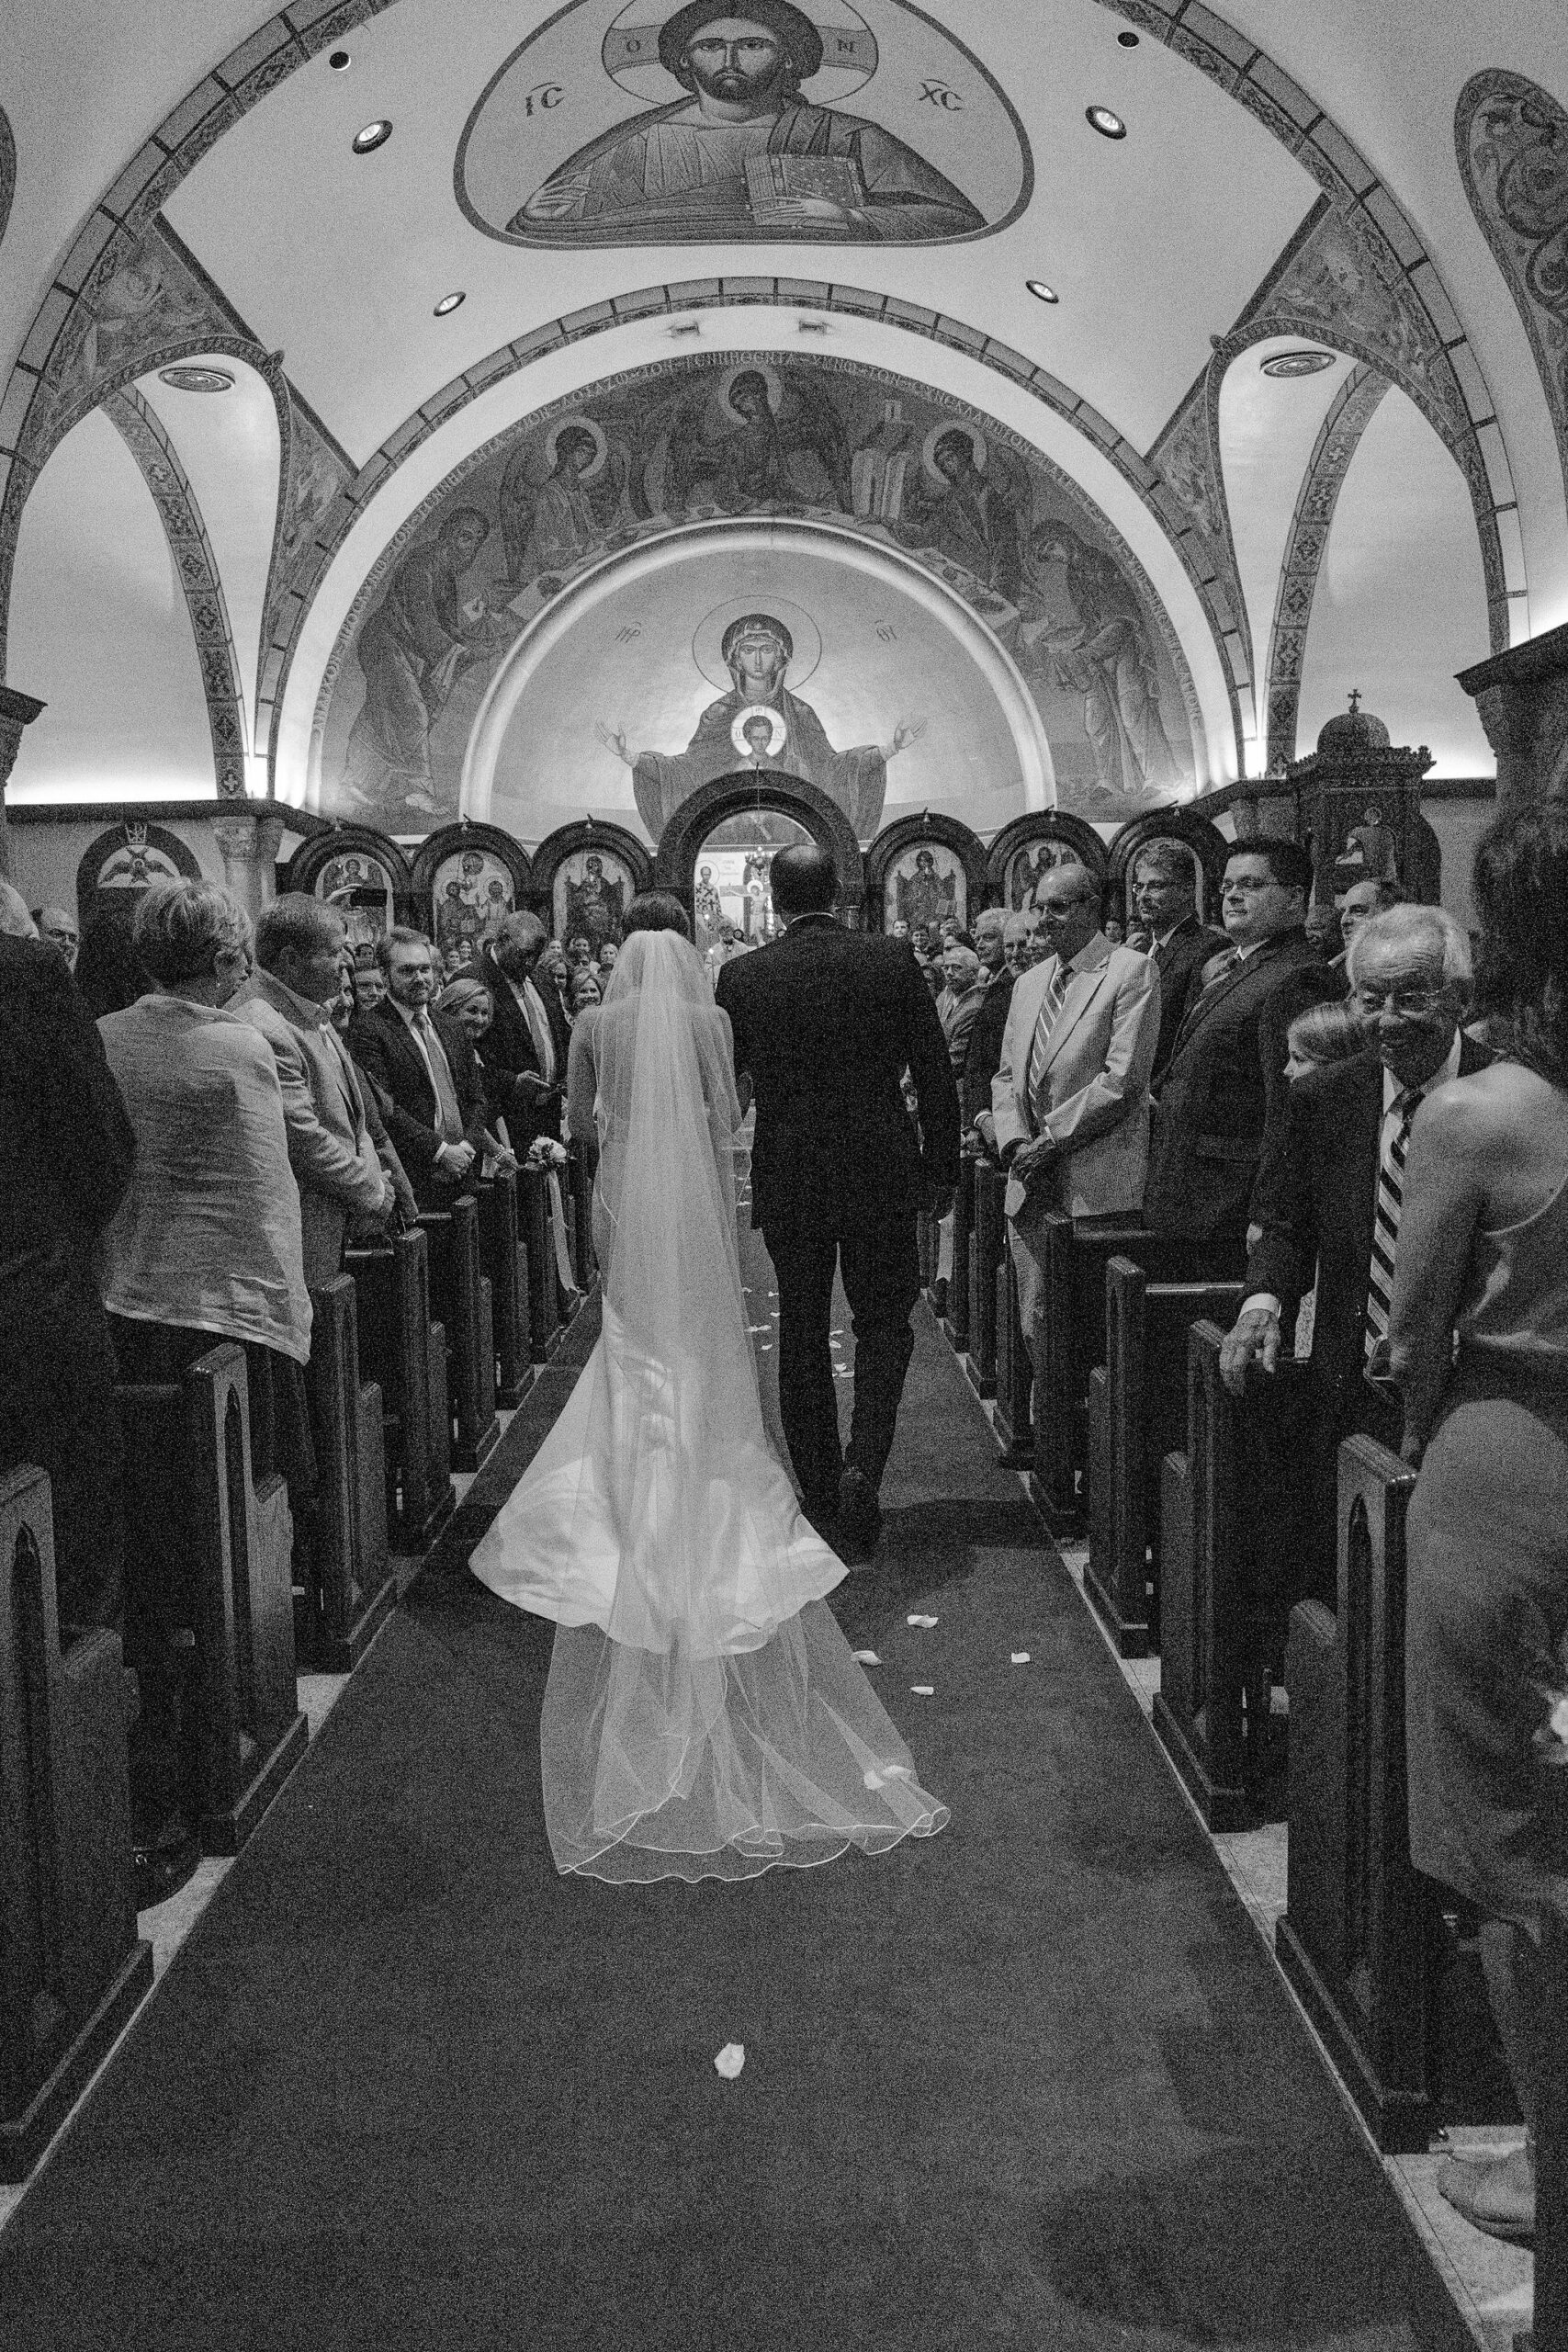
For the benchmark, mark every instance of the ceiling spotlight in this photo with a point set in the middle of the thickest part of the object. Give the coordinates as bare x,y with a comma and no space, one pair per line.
1041,292
1126,40
197,379
373,135
1101,119
449,303
1298,363
340,60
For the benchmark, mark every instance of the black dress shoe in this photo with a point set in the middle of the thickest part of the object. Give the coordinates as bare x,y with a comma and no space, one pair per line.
165,1862
860,1514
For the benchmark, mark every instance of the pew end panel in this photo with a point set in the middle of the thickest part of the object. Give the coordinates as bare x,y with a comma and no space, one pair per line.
1137,1414
545,1327
461,1299
1010,1415
349,1587
1238,1552
988,1247
72,1968
505,1264
400,1353
1360,1937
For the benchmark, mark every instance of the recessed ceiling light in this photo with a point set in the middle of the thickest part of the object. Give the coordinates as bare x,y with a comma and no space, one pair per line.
449,302
1041,292
373,135
1109,125
1126,40
340,61
1298,363
197,379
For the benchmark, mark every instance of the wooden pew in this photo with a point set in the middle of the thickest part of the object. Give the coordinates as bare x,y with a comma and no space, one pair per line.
544,1303
1358,1938
1075,1254
1239,1546
988,1247
1551,2319
579,1177
505,1263
1137,1414
461,1298
214,1546
956,1322
403,1351
350,1586
1011,1414
71,1967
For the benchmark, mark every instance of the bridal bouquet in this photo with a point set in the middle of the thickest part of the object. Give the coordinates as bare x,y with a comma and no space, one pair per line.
543,1152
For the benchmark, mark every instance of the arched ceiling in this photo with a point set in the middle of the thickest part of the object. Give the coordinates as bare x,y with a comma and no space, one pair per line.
184,184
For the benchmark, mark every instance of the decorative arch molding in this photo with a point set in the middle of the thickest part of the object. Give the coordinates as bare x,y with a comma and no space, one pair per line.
1337,441
197,566
1200,834
1511,141
7,169
675,860
1033,832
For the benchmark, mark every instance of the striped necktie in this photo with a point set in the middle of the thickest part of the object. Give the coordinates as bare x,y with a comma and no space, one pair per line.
1385,1232
1050,1011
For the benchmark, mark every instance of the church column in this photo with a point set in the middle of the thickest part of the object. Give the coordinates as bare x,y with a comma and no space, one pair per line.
249,841
16,711
1521,697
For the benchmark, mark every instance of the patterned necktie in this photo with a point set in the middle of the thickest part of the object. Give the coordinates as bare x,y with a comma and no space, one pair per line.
448,1117
1220,967
1050,1011
1385,1233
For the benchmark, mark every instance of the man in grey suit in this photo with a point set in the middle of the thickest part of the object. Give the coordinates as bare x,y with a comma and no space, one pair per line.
1070,1099
331,1149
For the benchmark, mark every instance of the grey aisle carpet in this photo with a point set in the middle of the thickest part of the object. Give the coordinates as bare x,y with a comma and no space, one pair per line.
1031,2084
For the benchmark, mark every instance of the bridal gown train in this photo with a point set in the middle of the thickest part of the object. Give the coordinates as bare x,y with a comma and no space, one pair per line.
704,1716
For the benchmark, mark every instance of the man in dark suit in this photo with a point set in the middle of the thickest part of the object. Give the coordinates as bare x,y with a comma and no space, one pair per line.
1225,1085
825,1022
66,1153
424,1067
1165,900
525,1048
983,1059
1327,1194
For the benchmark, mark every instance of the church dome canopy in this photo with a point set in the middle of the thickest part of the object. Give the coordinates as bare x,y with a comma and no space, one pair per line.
1351,732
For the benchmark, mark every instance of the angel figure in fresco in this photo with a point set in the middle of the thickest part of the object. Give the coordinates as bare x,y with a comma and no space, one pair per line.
550,513
980,519
417,643
757,650
743,154
745,457
1107,657
926,895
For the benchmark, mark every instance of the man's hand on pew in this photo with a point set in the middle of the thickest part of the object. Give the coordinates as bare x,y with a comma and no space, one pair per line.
1254,1337
455,1158
1027,1161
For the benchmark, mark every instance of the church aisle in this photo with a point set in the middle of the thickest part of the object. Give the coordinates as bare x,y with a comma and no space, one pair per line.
1032,2083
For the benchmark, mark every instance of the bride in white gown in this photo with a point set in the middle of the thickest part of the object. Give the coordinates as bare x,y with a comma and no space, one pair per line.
704,1717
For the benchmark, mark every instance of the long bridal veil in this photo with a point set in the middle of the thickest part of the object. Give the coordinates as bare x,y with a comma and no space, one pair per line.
704,1716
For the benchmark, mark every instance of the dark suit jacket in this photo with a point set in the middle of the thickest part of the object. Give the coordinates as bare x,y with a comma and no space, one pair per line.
1179,962
510,1052
1316,1197
984,1058
382,1047
1224,1089
66,1145
826,1021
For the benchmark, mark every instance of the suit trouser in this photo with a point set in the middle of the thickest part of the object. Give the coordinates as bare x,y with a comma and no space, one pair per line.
58,1411
881,1281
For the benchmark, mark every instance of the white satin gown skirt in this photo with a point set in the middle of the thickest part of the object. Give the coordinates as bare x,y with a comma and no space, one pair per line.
704,1716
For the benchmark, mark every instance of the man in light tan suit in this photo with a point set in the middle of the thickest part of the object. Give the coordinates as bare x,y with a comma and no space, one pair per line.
299,941
1070,1100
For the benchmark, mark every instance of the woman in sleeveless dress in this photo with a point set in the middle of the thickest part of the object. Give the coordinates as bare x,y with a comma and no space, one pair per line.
704,1716
1483,1254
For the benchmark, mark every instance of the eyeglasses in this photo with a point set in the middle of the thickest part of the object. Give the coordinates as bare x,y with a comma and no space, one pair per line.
1406,1004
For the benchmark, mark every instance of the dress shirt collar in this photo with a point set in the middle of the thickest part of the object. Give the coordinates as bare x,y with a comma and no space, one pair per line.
1090,955
301,1010
410,1016
1393,1090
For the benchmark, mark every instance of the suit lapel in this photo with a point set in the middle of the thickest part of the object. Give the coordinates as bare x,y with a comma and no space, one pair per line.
1083,986
1357,1155
1211,999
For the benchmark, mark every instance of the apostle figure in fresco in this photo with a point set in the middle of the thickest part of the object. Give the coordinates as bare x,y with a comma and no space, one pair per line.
757,650
547,523
745,155
412,649
976,520
1107,657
